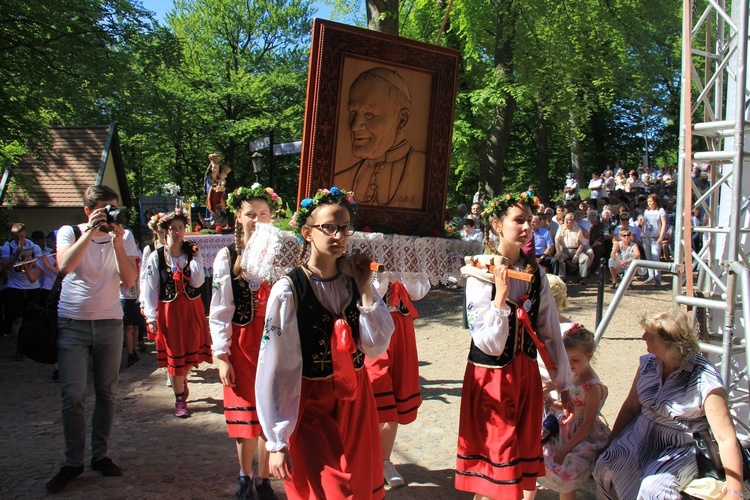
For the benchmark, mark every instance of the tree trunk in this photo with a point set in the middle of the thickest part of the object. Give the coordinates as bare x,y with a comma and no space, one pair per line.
575,147
382,15
542,155
598,130
498,137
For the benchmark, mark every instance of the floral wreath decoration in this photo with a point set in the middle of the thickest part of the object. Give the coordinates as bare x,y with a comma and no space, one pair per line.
499,205
165,219
256,191
327,196
153,222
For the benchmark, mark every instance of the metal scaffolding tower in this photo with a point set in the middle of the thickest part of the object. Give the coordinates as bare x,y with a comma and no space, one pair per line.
714,121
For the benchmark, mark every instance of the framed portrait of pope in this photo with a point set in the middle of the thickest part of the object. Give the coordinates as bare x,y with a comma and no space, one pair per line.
378,122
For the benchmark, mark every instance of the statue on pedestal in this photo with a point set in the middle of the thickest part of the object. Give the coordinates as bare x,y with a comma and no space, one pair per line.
215,184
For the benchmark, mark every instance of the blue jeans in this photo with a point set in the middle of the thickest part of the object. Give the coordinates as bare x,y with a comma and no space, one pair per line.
76,340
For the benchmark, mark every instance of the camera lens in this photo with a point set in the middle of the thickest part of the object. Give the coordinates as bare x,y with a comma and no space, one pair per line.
116,216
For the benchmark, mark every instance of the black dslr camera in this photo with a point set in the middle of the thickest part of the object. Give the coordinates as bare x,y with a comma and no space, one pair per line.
115,215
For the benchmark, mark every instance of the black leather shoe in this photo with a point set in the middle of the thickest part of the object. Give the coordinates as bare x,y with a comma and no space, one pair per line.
106,466
67,474
265,490
245,489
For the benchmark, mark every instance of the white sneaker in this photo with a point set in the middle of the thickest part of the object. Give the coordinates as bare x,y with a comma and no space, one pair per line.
391,475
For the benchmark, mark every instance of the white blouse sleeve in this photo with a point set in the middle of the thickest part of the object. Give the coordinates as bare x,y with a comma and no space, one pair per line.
150,290
417,288
548,330
197,273
488,324
142,277
222,305
278,380
375,327
380,284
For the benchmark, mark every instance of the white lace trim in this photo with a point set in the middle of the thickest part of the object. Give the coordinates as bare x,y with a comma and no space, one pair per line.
410,260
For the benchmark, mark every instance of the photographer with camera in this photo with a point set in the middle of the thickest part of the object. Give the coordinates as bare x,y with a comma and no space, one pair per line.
95,257
18,260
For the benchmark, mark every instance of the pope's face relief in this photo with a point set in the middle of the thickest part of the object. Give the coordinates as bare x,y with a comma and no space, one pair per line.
375,119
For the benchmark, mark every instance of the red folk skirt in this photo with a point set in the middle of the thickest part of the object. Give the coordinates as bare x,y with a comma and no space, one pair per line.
183,340
395,374
335,449
239,401
499,433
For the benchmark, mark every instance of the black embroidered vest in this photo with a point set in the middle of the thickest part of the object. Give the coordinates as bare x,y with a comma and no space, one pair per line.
315,335
244,298
400,307
167,288
518,339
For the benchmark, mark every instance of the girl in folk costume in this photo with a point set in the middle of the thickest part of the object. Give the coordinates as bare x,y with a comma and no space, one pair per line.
511,321
238,310
173,307
395,373
315,402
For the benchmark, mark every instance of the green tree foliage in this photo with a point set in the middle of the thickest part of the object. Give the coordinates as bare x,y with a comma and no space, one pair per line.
224,72
538,79
543,79
57,57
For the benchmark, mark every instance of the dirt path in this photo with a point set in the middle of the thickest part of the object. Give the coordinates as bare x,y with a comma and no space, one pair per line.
165,457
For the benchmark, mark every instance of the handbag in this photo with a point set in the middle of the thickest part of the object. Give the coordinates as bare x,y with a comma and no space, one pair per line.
37,338
709,461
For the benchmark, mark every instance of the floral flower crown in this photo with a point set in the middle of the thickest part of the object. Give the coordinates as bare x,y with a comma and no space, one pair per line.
153,222
498,206
165,219
333,196
256,191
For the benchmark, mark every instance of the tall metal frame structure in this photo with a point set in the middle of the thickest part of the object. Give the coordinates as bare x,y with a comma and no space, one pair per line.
714,110
714,118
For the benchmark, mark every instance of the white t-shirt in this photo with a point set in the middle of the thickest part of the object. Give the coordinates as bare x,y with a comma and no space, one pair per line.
92,290
132,292
16,278
48,275
595,185
652,223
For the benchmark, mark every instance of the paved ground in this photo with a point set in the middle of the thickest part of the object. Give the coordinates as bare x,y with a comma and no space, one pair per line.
165,457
